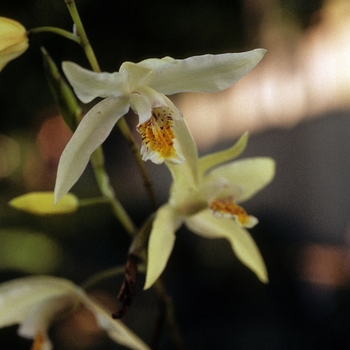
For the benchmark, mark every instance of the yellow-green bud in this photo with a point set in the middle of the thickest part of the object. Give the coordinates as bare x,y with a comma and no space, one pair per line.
13,40
42,203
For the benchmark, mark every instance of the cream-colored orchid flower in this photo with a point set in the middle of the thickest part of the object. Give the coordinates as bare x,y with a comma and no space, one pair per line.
36,302
13,40
204,196
143,86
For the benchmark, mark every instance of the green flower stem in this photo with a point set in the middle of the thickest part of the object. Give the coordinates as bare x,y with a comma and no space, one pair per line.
167,307
123,126
97,157
97,161
84,41
106,274
55,30
86,202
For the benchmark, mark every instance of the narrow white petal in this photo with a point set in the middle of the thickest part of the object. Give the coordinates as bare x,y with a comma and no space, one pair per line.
243,245
90,134
185,175
42,314
161,242
18,296
207,73
115,329
89,85
251,174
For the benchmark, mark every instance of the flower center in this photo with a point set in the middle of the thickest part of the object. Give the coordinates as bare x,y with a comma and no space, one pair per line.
158,136
226,208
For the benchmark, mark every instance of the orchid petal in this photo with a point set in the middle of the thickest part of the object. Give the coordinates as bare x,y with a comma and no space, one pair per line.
42,314
141,106
89,85
188,170
115,329
90,134
208,226
143,99
211,160
18,296
138,75
34,302
161,242
206,73
155,64
252,174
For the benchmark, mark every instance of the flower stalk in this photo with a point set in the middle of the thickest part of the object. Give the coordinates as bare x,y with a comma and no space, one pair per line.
103,181
59,31
122,125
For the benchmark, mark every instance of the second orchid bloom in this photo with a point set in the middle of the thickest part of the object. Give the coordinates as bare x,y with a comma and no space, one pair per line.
204,196
143,86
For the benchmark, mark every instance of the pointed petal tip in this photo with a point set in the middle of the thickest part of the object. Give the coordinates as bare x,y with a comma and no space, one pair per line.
148,284
263,277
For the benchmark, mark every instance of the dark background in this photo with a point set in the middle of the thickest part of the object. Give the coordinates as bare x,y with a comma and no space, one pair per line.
219,303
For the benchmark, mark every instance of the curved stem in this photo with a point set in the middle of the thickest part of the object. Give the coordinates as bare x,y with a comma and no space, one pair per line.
105,275
86,202
97,157
84,41
167,307
55,30
97,161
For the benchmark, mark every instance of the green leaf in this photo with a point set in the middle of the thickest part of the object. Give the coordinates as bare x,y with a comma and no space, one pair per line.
63,94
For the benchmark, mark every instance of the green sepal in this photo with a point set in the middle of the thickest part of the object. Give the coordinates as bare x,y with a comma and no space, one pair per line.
212,160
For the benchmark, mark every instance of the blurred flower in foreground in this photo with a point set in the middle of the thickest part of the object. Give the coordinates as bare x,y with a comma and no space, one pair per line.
143,86
42,203
204,196
13,40
36,302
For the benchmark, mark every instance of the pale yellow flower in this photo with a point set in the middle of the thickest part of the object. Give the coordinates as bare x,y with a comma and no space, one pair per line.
143,86
204,196
36,302
13,40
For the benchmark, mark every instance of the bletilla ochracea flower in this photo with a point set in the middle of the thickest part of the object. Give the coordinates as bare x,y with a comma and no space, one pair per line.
204,196
143,86
36,302
13,40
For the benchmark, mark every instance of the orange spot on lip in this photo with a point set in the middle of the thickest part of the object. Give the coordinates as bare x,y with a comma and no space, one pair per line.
157,133
38,342
225,207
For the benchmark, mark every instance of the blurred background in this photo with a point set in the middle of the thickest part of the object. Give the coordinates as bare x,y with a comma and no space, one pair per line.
296,106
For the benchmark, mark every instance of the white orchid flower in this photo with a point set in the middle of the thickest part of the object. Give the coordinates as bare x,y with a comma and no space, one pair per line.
36,302
143,86
204,196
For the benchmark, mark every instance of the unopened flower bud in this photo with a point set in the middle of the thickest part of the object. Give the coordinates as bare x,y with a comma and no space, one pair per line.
13,40
42,203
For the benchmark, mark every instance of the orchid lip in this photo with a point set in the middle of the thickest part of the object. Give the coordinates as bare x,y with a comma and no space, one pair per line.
158,137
